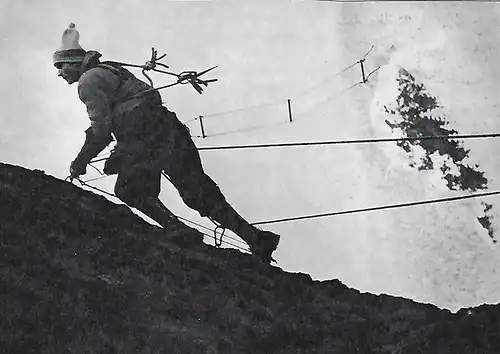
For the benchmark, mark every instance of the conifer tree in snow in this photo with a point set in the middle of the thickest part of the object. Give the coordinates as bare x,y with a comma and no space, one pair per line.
416,118
416,115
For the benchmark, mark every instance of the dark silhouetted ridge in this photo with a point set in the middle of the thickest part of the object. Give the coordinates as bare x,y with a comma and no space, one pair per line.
80,274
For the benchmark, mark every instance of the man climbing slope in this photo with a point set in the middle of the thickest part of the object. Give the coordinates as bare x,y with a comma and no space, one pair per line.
150,139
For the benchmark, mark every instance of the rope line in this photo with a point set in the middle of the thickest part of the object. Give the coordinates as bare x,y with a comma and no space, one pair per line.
100,158
344,212
342,142
300,93
368,52
358,141
95,188
190,120
185,77
84,183
235,131
211,230
330,98
227,242
383,207
268,104
95,168
202,226
96,178
328,78
372,72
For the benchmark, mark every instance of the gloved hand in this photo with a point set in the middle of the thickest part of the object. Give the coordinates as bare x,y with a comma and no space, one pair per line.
77,169
92,146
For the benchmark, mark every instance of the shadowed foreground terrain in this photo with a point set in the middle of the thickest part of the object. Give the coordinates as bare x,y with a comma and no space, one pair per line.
80,274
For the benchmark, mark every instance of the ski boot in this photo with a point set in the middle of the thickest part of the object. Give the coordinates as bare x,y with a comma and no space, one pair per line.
263,244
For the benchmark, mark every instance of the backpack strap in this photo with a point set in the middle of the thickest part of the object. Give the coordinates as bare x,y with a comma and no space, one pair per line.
116,69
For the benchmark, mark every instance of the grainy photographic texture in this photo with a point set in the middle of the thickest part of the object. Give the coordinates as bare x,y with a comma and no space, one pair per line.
362,135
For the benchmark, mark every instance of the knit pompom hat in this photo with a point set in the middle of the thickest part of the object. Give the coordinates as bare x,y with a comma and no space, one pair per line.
70,50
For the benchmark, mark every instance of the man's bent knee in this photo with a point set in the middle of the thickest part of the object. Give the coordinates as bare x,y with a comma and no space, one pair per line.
202,198
130,195
134,187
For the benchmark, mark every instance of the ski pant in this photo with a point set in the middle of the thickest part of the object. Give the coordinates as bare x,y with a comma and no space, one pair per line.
172,151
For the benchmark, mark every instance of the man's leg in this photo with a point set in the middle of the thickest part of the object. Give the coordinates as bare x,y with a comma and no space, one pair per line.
140,188
201,193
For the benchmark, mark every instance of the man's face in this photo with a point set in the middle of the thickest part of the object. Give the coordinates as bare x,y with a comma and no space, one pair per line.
69,72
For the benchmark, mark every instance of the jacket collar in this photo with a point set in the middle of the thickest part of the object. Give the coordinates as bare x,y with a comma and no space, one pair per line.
91,60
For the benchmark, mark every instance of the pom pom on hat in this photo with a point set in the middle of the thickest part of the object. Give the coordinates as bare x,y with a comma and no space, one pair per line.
70,38
70,50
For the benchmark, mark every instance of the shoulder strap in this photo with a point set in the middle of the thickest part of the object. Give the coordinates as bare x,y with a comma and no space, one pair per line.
116,69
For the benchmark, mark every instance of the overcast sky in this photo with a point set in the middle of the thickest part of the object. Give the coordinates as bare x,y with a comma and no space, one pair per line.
267,52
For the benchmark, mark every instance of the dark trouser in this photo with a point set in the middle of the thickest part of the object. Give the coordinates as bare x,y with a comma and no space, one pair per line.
185,172
139,184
